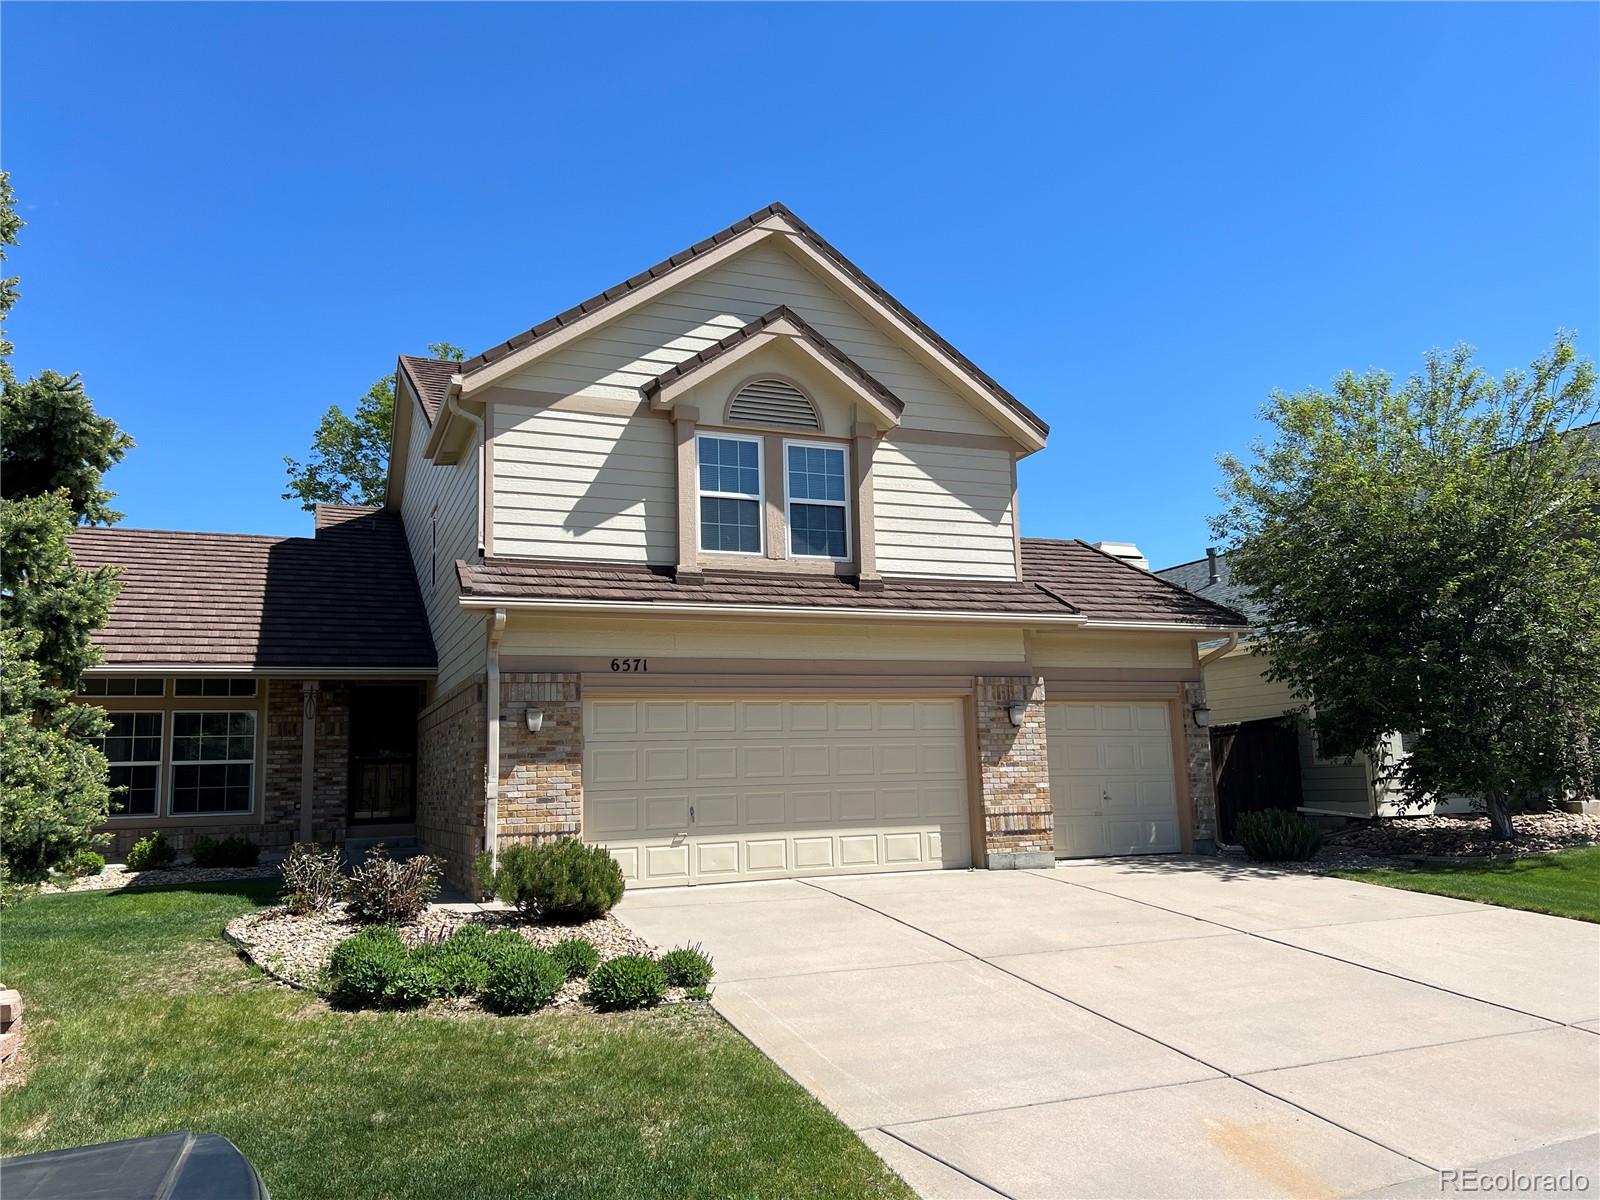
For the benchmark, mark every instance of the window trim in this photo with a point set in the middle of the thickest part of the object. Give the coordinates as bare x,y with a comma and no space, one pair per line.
788,522
254,761
159,763
759,499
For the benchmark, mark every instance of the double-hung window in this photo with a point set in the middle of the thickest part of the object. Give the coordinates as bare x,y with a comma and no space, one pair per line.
132,746
819,514
213,762
730,493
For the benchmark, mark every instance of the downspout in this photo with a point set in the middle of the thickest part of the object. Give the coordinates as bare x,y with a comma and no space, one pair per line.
1213,655
491,782
453,405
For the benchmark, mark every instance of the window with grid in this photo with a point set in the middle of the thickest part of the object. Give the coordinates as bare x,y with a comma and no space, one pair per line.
122,685
236,686
132,747
213,762
730,494
819,517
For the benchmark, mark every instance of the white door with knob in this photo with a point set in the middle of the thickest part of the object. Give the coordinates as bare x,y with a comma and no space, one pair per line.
1112,782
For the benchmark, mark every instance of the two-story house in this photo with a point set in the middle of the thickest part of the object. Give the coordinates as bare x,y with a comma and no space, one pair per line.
720,568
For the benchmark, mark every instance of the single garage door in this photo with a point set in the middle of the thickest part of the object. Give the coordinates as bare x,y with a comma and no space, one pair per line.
1111,779
686,789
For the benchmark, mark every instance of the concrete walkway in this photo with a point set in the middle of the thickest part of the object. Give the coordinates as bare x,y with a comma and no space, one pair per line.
1162,1027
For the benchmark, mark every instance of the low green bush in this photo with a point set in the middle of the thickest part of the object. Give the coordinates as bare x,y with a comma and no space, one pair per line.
565,880
229,852
85,863
630,981
1272,835
687,967
453,971
375,969
522,980
151,853
576,956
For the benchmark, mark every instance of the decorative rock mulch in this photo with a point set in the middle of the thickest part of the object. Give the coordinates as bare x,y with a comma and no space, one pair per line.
121,877
296,950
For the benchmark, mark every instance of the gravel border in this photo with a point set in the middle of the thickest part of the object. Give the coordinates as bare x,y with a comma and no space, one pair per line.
295,950
115,877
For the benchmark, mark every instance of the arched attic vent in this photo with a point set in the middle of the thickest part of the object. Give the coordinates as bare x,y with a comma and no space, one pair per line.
773,402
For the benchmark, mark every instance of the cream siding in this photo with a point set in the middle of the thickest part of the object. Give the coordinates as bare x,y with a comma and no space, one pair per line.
1085,648
943,511
1237,691
451,491
582,485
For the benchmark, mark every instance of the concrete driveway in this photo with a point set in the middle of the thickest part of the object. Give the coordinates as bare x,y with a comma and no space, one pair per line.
1162,1027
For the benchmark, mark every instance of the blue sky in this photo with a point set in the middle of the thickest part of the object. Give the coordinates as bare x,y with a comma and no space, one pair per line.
1139,218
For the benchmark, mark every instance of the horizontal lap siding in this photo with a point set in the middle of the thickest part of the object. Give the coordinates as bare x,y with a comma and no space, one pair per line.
943,511
584,485
1237,691
458,636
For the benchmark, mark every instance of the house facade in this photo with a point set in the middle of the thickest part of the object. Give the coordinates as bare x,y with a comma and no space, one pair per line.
722,569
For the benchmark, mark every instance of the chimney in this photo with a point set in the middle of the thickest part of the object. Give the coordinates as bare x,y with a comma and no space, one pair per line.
1126,551
1211,565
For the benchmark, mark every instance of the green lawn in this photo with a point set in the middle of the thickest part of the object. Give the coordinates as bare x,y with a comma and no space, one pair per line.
1566,884
140,1020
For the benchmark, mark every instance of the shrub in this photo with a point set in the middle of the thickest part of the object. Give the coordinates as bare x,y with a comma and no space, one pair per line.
487,946
483,873
687,967
85,862
229,852
631,981
151,853
375,969
15,891
1272,835
452,971
576,956
386,891
313,878
522,980
566,880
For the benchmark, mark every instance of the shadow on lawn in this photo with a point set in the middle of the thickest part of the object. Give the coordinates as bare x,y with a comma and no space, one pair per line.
260,892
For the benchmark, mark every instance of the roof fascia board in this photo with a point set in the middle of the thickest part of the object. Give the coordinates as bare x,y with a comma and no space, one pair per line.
1162,627
158,668
517,360
763,610
400,436
449,419
785,331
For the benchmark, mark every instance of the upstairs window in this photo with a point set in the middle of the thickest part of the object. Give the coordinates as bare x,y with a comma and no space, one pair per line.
730,494
819,517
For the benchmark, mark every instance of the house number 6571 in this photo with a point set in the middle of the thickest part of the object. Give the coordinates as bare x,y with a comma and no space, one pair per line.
630,664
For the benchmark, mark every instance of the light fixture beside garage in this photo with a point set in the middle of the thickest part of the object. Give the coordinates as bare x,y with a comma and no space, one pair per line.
1018,714
535,719
1202,714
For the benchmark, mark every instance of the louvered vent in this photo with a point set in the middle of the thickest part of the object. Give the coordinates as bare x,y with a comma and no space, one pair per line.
773,402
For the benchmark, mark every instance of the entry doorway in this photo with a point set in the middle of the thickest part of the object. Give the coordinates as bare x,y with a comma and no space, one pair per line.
383,753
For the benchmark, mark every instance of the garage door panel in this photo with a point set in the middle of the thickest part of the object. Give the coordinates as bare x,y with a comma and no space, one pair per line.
796,785
1111,777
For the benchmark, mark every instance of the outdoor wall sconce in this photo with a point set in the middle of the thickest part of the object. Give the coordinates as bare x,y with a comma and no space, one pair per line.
1202,716
535,719
1018,714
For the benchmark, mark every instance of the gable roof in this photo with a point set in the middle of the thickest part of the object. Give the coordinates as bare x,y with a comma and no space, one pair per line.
430,379
344,601
778,316
602,300
1195,577
1105,588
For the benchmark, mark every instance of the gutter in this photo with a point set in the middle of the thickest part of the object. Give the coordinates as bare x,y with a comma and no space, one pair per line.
772,610
452,404
261,672
1218,652
491,782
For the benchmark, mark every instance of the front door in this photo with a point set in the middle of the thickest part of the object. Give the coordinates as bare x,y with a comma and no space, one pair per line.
383,753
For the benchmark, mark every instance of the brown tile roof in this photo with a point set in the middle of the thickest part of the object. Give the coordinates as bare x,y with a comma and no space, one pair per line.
1107,589
345,599
578,311
331,515
1062,579
506,578
783,312
430,379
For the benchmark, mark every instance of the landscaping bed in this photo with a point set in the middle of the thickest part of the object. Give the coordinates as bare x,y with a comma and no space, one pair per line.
1466,836
123,877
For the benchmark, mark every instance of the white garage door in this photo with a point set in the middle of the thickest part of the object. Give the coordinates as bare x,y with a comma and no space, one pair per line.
1111,779
688,789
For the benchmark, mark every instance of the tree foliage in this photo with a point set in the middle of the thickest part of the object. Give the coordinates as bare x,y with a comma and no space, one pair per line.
349,459
1425,560
55,440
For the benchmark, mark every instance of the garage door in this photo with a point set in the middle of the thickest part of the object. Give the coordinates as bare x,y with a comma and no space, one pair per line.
1111,779
689,789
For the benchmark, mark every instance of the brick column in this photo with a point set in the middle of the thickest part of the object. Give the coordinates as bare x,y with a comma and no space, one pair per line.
1202,795
1014,775
541,774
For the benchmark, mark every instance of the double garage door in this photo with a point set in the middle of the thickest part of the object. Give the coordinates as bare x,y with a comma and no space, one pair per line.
1112,783
686,789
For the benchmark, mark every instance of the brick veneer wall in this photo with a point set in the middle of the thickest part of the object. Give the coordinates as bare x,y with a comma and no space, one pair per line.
452,758
330,774
1202,793
541,774
1014,775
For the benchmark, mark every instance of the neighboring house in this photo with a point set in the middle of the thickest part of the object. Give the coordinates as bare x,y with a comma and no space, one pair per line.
721,569
1240,694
